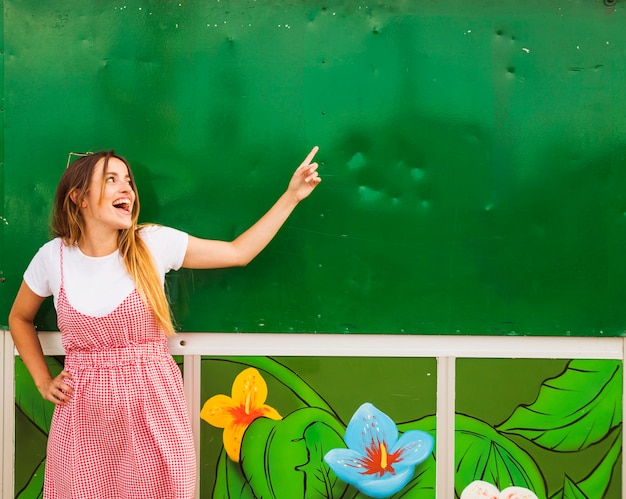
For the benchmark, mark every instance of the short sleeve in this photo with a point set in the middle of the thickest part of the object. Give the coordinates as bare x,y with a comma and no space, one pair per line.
38,275
168,246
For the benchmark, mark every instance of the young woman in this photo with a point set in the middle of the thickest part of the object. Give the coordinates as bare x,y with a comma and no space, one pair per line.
120,427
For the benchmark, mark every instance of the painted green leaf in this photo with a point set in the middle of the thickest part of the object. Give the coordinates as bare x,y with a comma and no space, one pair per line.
574,410
284,375
599,480
34,488
284,459
230,482
27,397
481,453
422,485
571,490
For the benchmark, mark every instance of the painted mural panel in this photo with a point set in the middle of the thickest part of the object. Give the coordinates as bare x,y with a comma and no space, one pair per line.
564,418
315,400
549,426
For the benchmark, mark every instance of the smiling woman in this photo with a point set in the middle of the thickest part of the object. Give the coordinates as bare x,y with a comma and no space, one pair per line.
120,426
97,209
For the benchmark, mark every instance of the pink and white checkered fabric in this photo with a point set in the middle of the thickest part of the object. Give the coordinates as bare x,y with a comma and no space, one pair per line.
126,434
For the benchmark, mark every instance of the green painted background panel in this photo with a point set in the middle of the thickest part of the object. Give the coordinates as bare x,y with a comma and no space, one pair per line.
404,388
508,384
473,154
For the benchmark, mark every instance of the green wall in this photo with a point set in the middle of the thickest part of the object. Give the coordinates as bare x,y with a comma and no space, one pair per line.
473,154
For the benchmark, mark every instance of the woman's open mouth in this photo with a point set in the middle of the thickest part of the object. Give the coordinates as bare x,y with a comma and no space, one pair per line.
123,204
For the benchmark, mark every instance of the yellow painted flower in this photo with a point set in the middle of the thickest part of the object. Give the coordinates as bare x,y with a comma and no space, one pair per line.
235,413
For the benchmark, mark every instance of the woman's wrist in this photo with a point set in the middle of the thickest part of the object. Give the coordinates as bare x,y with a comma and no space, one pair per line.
291,198
42,383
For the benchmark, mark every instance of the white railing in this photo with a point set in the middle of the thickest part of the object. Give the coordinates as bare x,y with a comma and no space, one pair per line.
446,349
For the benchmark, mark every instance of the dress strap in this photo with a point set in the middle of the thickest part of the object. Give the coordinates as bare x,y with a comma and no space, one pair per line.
61,260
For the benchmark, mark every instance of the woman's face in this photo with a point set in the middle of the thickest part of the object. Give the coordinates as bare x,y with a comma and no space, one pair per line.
109,201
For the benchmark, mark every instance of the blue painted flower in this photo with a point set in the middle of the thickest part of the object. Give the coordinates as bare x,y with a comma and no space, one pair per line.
376,462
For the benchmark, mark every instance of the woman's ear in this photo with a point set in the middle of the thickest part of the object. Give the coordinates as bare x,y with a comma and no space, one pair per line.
74,196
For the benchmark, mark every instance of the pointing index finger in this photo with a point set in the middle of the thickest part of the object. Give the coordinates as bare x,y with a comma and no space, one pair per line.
310,156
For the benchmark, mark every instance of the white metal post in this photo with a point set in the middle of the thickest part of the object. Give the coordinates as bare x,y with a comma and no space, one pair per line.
444,443
192,372
7,414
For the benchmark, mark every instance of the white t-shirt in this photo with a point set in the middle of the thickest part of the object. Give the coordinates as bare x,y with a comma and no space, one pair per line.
95,286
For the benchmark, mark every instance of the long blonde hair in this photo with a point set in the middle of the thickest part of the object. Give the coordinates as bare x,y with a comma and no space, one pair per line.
68,224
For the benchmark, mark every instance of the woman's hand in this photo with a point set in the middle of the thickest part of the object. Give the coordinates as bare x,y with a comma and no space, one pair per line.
212,254
21,317
305,178
56,390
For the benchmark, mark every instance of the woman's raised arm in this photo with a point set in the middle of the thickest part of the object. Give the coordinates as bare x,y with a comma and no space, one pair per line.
208,253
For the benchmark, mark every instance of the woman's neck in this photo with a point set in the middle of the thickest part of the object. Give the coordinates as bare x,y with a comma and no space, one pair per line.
96,245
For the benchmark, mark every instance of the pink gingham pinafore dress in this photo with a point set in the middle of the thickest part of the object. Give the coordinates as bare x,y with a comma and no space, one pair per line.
126,433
